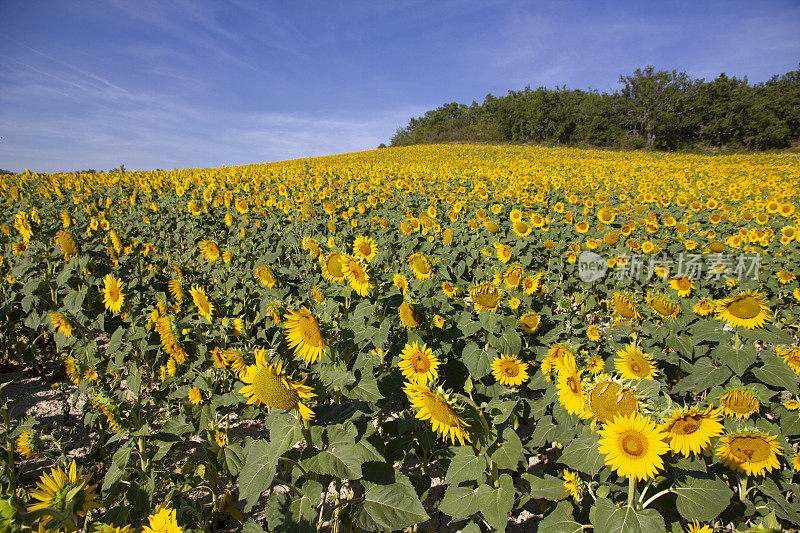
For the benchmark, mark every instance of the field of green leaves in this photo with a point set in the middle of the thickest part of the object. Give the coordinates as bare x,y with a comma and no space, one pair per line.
431,338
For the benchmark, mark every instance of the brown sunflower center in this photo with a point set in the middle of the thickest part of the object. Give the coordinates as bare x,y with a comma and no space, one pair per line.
687,424
365,248
510,369
609,399
574,384
745,308
684,284
420,363
309,330
740,402
441,411
272,391
633,444
750,448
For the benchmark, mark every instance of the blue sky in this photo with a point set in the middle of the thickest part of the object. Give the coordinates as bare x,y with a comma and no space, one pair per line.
166,84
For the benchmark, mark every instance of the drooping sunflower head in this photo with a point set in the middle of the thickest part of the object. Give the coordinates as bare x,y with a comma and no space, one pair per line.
61,323
663,306
265,276
572,391
175,289
409,315
266,384
449,289
164,518
633,363
751,451
69,492
704,307
608,399
210,250
739,402
633,446
204,307
747,309
304,335
445,415
509,370
558,358
513,276
113,297
333,266
420,266
358,277
691,431
29,444
530,321
486,296
67,245
419,364
624,306
790,356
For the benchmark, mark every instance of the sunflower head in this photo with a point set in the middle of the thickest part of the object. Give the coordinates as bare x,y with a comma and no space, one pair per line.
486,296
608,399
304,335
663,306
739,402
509,370
210,250
69,492
750,451
266,384
747,309
445,414
704,307
333,266
625,307
113,297
419,364
690,430
530,321
409,315
420,266
633,446
633,363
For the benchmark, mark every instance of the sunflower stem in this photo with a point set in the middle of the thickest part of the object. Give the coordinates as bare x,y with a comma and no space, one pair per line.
655,497
631,490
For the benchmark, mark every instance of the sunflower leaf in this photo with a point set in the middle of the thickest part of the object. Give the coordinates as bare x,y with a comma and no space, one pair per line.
777,374
581,454
389,507
462,502
546,487
257,472
465,466
702,498
612,519
561,520
476,360
738,360
498,504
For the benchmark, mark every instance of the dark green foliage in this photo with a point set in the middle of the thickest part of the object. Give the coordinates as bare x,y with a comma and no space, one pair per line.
659,109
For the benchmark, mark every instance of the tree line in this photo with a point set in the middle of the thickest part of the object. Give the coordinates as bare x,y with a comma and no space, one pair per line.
656,109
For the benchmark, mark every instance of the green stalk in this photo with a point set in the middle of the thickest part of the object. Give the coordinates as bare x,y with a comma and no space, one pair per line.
631,491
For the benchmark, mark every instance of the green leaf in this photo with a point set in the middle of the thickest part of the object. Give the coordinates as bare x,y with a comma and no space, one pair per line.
581,454
704,376
251,526
366,388
342,461
702,498
738,360
257,473
465,466
507,453
776,373
389,507
612,519
498,503
476,360
546,487
284,432
560,520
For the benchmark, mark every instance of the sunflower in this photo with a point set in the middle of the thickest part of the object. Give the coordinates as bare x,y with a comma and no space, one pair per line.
67,245
704,307
571,392
784,276
531,284
449,289
750,451
557,358
593,333
113,297
633,446
163,519
420,266
195,396
175,289
739,402
608,399
606,215
633,363
241,206
304,335
521,229
624,306
696,527
61,323
52,491
573,485
790,356
210,250
333,266
265,276
436,406
400,282
358,277
530,321
595,365
509,370
418,364
204,307
365,248
663,307
691,431
503,252
747,309
23,225
73,371
267,385
28,444
485,296
409,315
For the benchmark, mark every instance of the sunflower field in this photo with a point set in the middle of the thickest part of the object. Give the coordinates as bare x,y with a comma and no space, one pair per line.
429,338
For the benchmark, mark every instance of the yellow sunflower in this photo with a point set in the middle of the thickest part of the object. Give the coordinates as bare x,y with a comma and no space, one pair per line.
333,266
573,485
513,276
304,335
790,356
784,276
28,444
449,289
486,296
663,307
696,527
739,403
747,309
593,333
210,250
691,431
608,399
67,245
531,284
571,391
358,277
633,363
265,276
163,518
503,252
195,396
704,307
365,248
633,446
204,307
509,370
419,364
436,406
420,266
61,323
625,307
267,385
557,358
175,289
400,282
530,321
113,297
52,490
750,451
595,365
